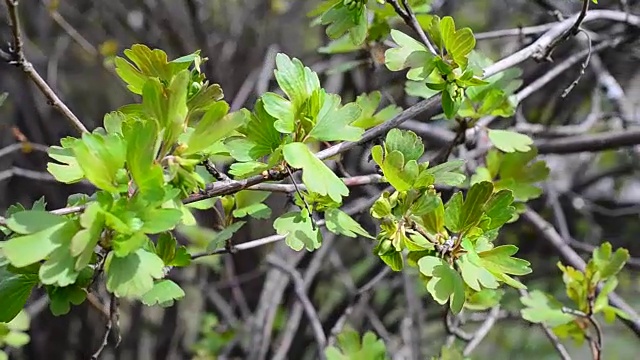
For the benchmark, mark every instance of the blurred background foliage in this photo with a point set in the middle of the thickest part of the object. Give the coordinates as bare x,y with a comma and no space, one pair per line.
72,43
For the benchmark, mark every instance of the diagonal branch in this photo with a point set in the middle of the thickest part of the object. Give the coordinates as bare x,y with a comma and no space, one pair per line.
16,57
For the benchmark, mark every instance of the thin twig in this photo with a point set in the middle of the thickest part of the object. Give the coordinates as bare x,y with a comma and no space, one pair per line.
301,293
483,330
409,17
575,28
111,323
362,291
17,58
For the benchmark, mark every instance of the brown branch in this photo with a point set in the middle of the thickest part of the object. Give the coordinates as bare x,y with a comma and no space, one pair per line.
16,57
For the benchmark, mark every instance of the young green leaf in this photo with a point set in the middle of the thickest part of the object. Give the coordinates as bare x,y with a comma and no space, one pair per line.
299,231
444,284
281,109
334,121
250,203
315,174
339,222
444,173
608,263
406,142
133,275
409,53
342,19
542,308
295,79
500,263
101,157
69,171
142,147
350,347
163,293
509,141
214,125
369,118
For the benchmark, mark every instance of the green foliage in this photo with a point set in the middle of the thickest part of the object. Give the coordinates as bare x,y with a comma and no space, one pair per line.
143,163
350,347
509,141
14,333
588,290
516,171
450,243
212,338
447,72
299,230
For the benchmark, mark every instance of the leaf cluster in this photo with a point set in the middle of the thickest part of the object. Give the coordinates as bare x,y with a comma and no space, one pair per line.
450,243
588,291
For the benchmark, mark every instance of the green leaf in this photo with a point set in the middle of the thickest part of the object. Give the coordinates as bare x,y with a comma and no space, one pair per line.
60,267
443,174
214,125
171,254
85,240
163,293
261,139
250,203
299,231
160,220
124,244
509,141
498,208
602,300
453,212
315,174
32,221
409,53
402,176
69,171
609,264
61,298
406,142
148,64
132,276
471,211
500,263
542,308
281,109
425,204
475,276
339,222
334,121
341,20
444,284
351,348
222,236
15,290
29,249
458,43
297,81
142,147
101,157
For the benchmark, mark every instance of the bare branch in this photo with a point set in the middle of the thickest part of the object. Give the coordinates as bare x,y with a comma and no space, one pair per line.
301,293
17,58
